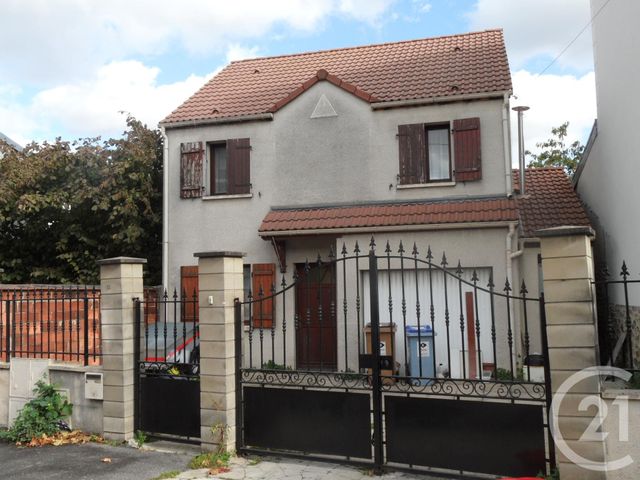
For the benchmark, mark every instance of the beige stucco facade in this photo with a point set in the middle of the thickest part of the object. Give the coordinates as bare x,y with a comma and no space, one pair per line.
350,158
296,160
607,183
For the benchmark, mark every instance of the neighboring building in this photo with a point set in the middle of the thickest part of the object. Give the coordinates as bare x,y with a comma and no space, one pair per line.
606,177
11,143
286,157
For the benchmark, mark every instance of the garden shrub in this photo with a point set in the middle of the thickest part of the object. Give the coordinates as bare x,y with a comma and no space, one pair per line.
43,415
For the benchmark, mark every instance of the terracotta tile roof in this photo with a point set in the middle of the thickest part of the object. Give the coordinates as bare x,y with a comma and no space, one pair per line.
549,201
388,215
451,65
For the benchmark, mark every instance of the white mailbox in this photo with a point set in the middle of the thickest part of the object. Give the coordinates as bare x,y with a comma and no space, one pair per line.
93,387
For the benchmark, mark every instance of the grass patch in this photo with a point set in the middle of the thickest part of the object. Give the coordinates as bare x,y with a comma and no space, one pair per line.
210,460
165,475
140,438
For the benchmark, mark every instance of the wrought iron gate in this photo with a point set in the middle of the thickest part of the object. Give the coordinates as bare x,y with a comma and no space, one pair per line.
446,395
167,366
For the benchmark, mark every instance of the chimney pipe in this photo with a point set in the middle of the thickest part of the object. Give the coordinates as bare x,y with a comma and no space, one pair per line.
521,109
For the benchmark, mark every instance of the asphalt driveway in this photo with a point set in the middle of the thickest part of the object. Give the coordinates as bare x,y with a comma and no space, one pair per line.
84,462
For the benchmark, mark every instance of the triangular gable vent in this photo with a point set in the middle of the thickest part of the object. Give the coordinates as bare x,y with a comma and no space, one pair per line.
323,108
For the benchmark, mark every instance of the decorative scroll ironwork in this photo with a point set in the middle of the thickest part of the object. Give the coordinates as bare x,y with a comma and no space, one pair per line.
306,379
503,390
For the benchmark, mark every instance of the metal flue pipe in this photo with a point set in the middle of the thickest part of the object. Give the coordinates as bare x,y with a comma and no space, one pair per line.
521,109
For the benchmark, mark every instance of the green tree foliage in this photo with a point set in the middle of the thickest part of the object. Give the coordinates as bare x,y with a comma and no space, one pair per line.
556,153
65,205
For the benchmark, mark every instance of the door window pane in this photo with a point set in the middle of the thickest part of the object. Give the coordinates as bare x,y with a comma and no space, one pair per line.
220,163
438,141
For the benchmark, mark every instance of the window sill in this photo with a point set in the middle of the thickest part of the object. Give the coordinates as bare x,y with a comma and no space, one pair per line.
227,197
426,185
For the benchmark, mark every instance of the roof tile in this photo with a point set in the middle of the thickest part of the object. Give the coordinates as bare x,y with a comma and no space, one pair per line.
457,211
550,201
472,62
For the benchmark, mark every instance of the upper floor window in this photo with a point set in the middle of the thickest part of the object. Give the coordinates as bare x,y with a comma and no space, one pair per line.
426,153
219,173
229,168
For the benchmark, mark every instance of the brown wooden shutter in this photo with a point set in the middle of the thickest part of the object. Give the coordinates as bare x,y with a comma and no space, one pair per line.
191,166
263,279
466,141
189,288
239,151
412,147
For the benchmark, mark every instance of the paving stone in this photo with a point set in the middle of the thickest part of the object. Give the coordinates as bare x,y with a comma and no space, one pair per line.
266,468
193,474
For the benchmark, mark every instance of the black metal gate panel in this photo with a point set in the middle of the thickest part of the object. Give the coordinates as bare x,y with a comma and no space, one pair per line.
330,423
167,367
440,385
483,437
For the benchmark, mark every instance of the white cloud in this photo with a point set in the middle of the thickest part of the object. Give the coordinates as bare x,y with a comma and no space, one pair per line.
240,52
554,99
369,11
426,7
51,42
536,28
93,107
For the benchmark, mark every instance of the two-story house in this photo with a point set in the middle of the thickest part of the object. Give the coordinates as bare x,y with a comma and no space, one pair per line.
286,157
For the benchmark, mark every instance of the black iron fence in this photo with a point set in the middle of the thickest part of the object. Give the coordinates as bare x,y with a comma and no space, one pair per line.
57,322
167,364
475,328
169,337
383,356
618,300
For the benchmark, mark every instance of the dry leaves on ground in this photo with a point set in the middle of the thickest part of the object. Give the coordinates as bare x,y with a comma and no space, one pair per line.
75,437
218,470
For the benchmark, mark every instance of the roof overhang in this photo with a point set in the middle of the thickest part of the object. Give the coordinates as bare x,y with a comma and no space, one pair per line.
386,228
217,121
442,99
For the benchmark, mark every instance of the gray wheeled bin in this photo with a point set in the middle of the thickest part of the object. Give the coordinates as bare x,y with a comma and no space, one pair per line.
420,352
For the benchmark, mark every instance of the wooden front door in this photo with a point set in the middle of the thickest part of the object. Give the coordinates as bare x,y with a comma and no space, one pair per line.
316,335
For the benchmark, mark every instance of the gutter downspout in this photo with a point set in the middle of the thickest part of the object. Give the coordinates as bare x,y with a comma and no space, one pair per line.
506,137
165,208
515,326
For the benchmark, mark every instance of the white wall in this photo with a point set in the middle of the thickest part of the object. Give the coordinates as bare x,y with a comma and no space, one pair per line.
609,181
4,394
296,160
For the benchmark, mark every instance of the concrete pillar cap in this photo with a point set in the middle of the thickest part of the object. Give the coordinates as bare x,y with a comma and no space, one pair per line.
122,261
566,231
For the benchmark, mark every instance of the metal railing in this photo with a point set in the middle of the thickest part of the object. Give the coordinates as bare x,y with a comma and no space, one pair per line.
469,341
57,322
619,318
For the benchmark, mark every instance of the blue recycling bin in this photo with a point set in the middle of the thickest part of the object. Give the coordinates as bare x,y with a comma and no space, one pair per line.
420,353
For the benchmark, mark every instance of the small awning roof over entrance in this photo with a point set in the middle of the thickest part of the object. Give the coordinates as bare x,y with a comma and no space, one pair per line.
388,216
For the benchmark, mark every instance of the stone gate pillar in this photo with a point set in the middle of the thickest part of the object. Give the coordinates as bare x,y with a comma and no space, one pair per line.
120,283
220,283
567,269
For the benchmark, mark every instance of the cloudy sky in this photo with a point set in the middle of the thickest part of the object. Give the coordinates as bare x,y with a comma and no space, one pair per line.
70,67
